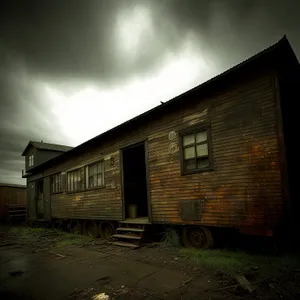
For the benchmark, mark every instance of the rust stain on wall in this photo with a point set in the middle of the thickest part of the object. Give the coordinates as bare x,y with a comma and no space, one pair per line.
261,204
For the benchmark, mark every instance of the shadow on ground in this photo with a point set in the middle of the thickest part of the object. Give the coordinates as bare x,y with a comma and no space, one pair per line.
46,264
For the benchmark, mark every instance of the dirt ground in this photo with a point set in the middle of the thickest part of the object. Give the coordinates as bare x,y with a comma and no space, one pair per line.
46,264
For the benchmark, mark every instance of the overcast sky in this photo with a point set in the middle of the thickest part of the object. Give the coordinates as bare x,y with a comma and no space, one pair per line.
71,69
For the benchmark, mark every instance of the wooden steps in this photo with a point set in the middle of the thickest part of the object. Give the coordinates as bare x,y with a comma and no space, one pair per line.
124,244
136,221
130,229
127,236
130,233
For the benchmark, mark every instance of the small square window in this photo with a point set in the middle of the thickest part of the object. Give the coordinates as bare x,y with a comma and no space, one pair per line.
31,160
195,151
56,183
95,175
75,180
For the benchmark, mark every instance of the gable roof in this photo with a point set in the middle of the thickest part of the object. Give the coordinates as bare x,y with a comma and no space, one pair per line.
47,146
280,53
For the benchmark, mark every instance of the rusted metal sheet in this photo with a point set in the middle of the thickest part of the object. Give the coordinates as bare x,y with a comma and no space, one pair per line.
191,210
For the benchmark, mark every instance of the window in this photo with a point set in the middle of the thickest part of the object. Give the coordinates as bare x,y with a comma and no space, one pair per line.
75,180
56,183
31,160
95,175
195,151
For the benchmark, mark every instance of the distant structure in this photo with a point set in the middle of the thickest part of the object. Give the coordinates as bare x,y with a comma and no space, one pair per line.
37,153
13,201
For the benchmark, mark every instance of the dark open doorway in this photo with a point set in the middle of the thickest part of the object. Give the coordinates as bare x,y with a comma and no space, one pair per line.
135,180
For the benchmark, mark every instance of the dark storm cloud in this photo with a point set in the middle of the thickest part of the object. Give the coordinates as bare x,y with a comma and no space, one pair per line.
71,38
236,29
75,40
58,37
24,117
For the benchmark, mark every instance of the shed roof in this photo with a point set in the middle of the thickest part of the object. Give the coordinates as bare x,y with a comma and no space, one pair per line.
47,146
279,53
12,185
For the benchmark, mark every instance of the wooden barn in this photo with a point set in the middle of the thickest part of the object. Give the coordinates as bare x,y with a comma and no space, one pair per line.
12,201
213,157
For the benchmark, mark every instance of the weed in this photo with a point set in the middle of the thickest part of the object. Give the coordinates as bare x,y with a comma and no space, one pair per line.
171,238
234,262
62,238
73,240
60,232
27,231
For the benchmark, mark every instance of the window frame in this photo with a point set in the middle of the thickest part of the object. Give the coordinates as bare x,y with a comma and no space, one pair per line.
61,183
86,174
83,179
204,127
31,159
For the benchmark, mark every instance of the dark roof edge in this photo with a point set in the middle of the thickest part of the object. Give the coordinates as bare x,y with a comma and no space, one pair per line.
24,151
283,42
12,185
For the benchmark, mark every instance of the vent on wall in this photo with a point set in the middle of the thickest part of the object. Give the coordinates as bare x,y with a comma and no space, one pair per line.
191,210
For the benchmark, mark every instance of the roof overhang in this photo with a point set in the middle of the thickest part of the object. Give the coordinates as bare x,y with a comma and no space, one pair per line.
12,185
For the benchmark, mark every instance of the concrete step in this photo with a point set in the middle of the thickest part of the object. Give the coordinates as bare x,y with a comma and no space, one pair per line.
126,236
130,229
125,244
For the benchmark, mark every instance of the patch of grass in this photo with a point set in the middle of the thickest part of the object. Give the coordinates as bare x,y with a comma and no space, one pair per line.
73,240
232,262
60,232
171,238
61,239
27,231
218,259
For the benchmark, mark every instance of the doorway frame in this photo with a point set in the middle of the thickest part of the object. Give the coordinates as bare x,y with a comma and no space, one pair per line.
138,143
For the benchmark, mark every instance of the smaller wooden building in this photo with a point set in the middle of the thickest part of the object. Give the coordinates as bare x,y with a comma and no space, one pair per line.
37,153
12,196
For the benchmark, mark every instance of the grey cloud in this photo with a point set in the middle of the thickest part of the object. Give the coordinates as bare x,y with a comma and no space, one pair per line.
67,38
71,42
24,117
234,29
76,38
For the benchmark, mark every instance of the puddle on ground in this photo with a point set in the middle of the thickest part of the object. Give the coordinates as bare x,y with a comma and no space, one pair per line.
8,295
17,265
